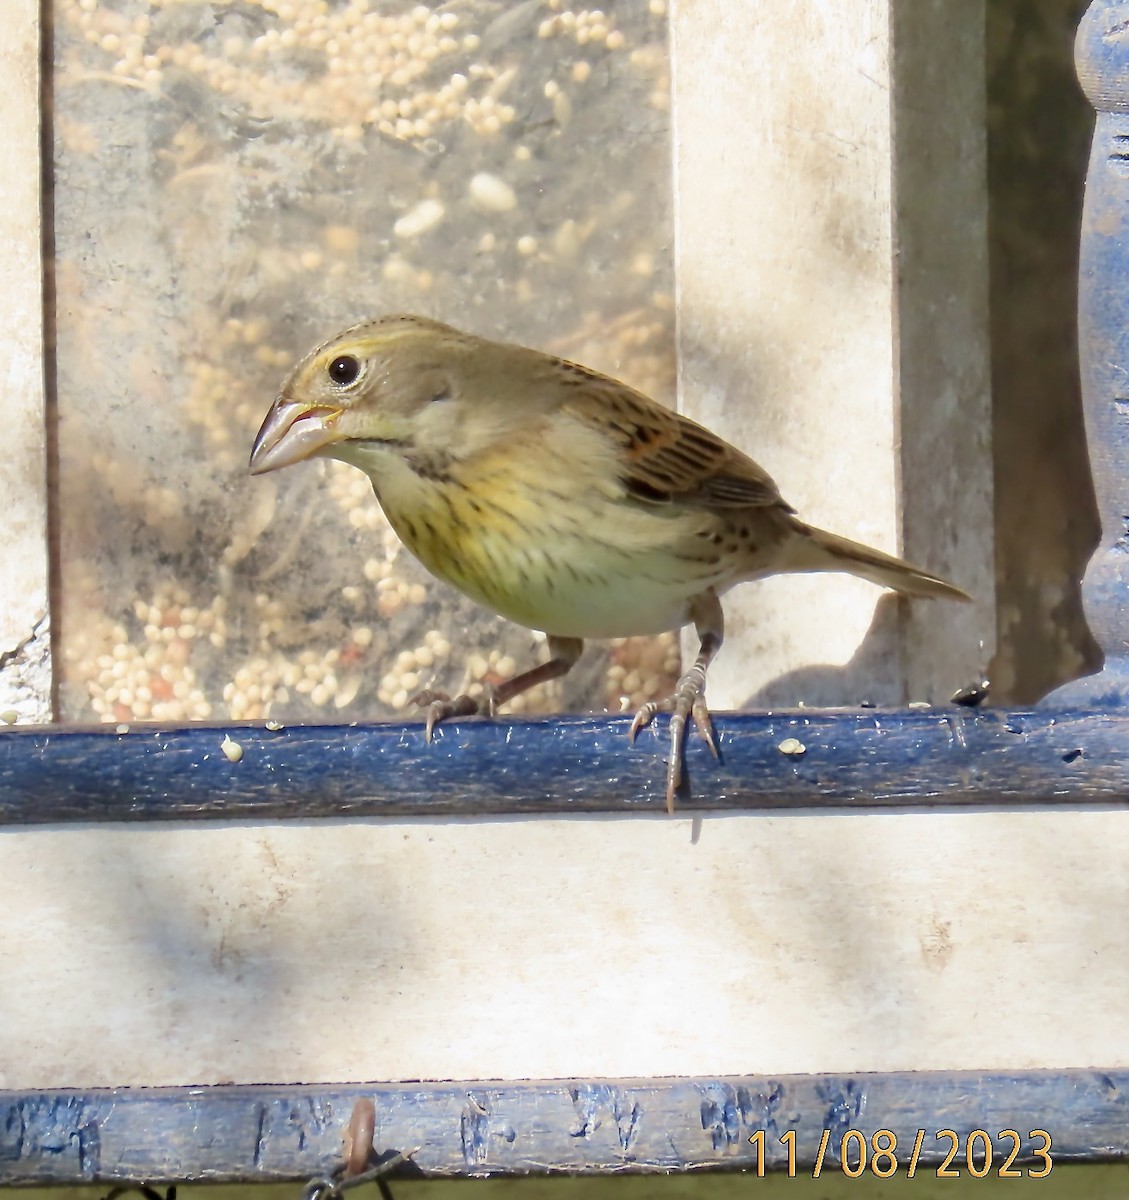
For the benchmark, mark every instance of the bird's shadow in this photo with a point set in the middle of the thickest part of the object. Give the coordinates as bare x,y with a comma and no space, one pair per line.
871,676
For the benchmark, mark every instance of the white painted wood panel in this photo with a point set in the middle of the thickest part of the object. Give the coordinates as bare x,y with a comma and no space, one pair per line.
25,680
529,948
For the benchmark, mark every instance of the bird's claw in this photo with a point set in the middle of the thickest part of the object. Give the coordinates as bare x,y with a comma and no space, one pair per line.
644,717
440,706
703,722
688,700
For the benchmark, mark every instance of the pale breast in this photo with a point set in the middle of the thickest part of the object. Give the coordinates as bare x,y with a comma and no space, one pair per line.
546,538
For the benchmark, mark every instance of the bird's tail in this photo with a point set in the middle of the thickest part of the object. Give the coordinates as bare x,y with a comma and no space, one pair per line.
819,550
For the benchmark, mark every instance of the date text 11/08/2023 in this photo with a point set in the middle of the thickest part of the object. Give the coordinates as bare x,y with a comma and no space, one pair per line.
946,1153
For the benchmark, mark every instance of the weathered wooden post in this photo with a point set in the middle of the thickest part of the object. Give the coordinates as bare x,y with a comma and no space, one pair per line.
832,277
1102,58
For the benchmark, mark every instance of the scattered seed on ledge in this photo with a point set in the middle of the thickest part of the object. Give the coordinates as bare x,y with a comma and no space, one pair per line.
232,751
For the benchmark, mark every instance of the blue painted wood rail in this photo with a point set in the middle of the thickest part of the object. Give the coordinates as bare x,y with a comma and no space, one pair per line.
1102,61
862,760
1072,752
967,1123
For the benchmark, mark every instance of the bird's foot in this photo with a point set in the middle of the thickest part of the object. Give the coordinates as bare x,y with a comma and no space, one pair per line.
440,706
688,700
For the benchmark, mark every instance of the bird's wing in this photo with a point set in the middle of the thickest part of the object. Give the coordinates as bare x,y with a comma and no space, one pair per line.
666,457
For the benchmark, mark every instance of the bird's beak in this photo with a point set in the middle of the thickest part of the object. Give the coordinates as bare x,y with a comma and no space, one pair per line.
292,432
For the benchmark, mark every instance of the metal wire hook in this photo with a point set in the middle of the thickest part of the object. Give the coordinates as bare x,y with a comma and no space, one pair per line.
333,1187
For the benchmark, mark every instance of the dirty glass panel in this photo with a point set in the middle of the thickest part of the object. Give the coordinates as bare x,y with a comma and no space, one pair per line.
234,182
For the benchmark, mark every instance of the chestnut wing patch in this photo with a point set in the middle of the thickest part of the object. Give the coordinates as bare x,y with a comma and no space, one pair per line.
667,457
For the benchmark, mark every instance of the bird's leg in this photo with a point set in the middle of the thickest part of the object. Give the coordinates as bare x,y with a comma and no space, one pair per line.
563,653
689,697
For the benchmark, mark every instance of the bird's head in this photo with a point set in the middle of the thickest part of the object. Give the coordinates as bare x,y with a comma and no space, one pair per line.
396,385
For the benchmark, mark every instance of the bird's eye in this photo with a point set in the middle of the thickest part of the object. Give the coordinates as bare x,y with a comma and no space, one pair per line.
344,370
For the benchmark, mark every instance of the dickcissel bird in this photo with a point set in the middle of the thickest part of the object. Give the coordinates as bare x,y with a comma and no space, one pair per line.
560,498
